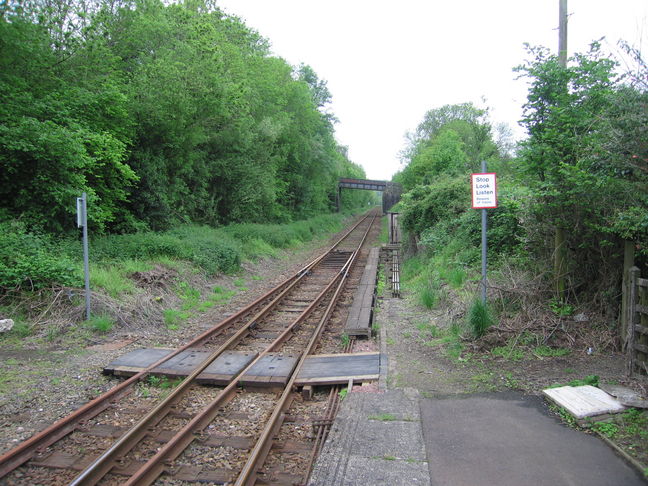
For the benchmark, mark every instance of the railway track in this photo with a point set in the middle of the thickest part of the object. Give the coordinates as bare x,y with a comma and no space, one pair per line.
237,433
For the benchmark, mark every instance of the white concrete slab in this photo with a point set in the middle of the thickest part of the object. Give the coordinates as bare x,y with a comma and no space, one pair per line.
583,401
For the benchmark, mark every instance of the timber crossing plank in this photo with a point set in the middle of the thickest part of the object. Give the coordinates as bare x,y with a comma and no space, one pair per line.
272,369
361,312
338,369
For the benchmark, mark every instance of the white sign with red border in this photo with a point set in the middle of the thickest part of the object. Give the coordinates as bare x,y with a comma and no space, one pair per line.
484,190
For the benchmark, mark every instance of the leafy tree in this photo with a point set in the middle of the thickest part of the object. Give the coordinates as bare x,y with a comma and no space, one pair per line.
468,121
443,155
163,113
55,136
582,161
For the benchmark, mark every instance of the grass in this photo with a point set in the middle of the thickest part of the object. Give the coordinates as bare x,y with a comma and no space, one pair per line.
384,231
428,295
546,351
383,417
480,318
565,416
174,318
190,296
509,381
447,338
20,330
157,385
381,282
345,340
428,330
163,382
607,429
455,276
592,380
192,303
509,352
102,323
111,279
629,431
484,381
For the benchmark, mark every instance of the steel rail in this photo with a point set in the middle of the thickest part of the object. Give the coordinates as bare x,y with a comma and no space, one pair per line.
247,477
149,472
62,427
106,461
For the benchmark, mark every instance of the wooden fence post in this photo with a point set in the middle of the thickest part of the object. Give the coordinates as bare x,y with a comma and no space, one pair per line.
633,277
628,262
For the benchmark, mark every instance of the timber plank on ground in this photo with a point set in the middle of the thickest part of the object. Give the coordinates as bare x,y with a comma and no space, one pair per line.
338,369
271,370
361,311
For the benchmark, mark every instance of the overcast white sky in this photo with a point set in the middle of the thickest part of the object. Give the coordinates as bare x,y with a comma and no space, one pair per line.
387,63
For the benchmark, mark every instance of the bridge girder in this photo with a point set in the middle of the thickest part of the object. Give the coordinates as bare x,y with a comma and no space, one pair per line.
391,191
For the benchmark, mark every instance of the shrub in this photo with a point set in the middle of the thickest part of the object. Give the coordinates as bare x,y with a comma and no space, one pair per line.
211,249
31,260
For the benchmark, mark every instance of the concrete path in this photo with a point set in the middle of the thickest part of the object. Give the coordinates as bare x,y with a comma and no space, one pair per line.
376,439
508,439
499,439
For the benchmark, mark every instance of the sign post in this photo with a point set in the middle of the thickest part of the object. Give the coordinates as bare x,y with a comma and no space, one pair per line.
82,222
484,196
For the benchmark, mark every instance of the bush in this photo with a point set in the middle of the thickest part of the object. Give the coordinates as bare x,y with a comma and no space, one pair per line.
211,249
425,206
31,260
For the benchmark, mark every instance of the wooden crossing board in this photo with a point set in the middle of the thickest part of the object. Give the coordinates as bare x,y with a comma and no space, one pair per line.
361,312
223,369
272,369
338,369
132,363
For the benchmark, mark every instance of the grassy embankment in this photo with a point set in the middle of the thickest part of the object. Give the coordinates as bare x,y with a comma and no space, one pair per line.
39,273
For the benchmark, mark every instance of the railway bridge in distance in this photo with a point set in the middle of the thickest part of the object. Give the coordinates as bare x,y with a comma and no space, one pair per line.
391,191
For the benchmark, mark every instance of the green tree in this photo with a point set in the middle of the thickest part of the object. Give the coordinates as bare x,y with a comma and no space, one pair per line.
56,128
574,160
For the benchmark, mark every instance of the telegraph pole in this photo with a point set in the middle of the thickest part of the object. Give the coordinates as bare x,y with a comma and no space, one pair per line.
559,237
562,34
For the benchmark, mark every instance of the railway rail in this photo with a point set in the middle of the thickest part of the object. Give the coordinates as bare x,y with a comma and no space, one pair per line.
237,433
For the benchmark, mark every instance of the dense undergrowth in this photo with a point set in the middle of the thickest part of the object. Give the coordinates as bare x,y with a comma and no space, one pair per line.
32,261
141,279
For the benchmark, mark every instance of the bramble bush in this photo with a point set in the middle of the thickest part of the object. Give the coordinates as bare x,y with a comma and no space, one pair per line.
33,261
208,248
30,260
441,218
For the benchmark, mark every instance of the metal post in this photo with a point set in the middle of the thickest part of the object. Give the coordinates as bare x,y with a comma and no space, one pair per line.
86,259
484,243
